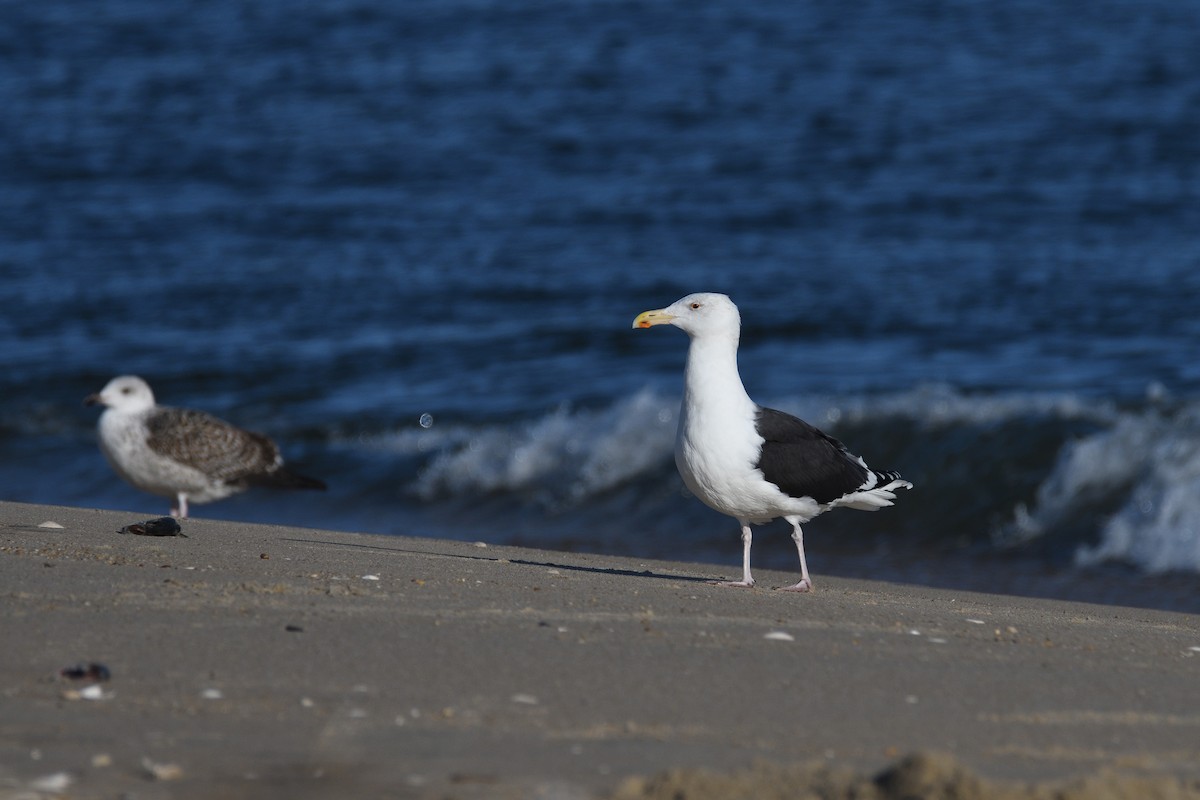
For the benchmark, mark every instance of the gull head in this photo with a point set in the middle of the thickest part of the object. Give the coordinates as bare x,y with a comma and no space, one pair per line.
128,394
701,314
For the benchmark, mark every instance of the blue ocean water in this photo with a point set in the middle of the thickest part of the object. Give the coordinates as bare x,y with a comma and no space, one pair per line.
962,236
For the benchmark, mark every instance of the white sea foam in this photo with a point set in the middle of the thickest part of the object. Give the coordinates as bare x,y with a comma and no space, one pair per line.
562,457
1145,471
1089,471
1158,525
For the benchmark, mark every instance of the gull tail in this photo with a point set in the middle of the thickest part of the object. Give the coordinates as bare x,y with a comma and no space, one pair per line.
874,497
285,479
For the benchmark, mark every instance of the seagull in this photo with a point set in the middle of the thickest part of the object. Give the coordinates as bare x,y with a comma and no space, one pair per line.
752,463
184,454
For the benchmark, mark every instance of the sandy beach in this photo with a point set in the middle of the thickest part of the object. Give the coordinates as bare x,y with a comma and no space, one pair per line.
260,661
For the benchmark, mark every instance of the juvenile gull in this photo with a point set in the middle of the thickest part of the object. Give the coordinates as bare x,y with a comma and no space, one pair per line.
184,454
753,463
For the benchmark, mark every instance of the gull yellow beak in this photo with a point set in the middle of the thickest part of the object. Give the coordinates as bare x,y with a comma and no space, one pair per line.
648,319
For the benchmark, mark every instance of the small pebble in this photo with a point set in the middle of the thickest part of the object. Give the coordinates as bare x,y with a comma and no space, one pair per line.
779,636
212,694
975,621
370,577
49,524
162,772
94,692
52,784
526,699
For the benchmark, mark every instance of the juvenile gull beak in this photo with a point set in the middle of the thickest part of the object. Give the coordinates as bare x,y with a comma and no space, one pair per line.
648,319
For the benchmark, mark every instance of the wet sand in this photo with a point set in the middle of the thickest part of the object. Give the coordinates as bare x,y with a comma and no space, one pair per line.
260,661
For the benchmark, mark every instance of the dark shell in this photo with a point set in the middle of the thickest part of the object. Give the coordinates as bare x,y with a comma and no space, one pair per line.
163,526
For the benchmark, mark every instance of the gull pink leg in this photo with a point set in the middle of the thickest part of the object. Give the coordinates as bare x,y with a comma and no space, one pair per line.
746,580
805,584
179,510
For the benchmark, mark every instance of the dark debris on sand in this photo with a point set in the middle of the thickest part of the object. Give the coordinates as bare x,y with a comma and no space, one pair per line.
922,776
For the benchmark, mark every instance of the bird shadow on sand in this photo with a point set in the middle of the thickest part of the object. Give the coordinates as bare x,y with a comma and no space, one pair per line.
632,573
615,571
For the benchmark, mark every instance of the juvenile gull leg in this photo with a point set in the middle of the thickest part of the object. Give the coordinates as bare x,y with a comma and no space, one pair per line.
179,510
805,584
746,580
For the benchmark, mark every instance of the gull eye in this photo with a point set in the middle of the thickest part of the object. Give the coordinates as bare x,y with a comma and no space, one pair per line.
695,306
126,389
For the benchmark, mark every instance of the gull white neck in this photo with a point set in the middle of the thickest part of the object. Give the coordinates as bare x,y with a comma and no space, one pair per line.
712,384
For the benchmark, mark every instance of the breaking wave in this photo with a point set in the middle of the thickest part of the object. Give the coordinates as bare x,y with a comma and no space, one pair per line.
562,458
1135,486
1062,473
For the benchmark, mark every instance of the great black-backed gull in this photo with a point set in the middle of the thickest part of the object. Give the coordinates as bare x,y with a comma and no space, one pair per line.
184,454
753,463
